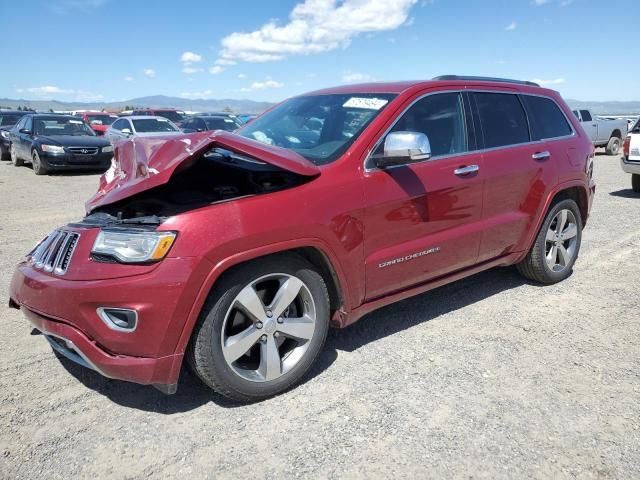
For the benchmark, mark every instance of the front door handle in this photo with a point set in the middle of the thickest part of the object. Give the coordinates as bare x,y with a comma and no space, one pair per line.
466,170
541,155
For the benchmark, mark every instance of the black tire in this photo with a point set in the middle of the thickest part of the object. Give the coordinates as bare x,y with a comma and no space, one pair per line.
38,167
534,266
635,182
15,160
205,353
613,147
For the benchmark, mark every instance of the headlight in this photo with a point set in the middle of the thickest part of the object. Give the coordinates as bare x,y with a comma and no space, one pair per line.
52,149
107,149
4,134
133,247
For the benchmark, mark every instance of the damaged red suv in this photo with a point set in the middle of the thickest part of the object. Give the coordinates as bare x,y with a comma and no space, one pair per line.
238,251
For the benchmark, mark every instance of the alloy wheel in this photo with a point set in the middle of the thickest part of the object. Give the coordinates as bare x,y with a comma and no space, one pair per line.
268,327
561,241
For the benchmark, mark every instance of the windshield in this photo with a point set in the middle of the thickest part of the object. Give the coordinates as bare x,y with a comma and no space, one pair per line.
227,124
148,125
61,126
103,119
9,118
318,127
170,114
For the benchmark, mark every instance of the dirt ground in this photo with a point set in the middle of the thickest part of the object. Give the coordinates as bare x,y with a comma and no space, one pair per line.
489,377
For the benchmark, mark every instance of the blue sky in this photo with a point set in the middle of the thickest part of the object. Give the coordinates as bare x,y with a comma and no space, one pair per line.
105,50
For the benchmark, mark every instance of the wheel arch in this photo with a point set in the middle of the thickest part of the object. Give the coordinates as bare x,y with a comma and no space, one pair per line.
314,251
617,133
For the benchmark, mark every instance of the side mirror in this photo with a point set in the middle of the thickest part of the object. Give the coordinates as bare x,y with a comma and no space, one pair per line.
401,148
26,131
126,131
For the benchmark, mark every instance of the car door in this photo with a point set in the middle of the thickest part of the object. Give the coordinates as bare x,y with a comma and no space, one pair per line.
26,138
422,219
589,125
517,171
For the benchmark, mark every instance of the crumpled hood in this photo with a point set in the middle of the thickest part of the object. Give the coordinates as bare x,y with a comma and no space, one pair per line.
141,163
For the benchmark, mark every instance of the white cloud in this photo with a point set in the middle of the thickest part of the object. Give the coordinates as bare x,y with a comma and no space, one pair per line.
216,69
84,96
242,76
511,26
190,57
149,72
191,70
555,81
316,26
355,77
224,61
262,85
128,78
500,62
197,95
48,90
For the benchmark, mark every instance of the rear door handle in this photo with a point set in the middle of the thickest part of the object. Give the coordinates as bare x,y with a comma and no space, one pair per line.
541,155
466,170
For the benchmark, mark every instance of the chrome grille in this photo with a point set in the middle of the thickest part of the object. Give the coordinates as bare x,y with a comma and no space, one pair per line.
54,252
83,150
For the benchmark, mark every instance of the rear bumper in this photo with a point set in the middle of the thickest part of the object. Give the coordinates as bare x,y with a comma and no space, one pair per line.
76,346
630,166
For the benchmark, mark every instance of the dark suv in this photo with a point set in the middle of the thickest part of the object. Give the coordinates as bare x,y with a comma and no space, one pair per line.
237,250
8,118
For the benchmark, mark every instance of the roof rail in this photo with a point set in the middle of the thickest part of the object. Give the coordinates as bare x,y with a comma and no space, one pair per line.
485,79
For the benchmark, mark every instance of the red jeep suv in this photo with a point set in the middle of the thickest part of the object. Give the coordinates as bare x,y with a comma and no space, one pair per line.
239,250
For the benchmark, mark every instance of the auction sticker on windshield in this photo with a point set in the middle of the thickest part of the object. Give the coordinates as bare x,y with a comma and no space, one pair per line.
367,103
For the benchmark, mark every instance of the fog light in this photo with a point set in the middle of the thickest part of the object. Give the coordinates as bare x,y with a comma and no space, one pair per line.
120,319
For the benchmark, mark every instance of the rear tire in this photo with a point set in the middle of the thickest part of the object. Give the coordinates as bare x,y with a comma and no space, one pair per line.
15,160
613,147
271,358
635,182
556,246
38,167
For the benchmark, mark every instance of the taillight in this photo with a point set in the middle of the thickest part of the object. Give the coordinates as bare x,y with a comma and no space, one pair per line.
626,145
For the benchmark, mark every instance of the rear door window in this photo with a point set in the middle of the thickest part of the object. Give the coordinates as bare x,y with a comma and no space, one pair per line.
586,115
545,118
502,118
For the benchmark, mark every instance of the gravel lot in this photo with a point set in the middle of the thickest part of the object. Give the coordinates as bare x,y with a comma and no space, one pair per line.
489,377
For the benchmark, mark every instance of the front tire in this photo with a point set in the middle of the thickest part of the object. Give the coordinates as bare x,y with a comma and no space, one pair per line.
556,246
15,160
261,329
635,182
613,147
38,167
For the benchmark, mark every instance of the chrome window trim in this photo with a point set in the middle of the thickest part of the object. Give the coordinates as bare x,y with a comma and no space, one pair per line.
469,152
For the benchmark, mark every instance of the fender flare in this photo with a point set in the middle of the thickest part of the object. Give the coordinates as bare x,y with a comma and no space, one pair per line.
248,255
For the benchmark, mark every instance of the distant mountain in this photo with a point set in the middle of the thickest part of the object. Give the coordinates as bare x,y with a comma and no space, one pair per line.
158,101
610,108
251,106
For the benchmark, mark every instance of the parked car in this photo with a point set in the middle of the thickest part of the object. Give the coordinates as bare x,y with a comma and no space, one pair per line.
8,118
98,121
203,123
237,251
603,132
630,160
140,126
246,118
57,142
175,116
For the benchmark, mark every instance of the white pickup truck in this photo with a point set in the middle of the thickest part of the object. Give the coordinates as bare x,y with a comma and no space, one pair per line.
630,160
603,132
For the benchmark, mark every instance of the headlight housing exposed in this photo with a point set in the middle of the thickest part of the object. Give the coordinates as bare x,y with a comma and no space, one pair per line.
107,149
4,134
52,148
133,246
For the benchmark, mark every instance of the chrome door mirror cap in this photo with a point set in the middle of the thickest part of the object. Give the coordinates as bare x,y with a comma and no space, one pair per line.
404,147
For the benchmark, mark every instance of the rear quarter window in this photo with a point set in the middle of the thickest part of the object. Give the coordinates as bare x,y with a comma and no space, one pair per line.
502,118
546,118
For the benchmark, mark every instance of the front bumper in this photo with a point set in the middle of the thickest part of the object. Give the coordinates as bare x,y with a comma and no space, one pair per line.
66,310
68,161
630,165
